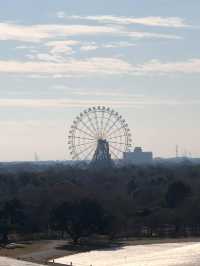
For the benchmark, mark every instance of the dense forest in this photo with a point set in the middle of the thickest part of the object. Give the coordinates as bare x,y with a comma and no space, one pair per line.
69,201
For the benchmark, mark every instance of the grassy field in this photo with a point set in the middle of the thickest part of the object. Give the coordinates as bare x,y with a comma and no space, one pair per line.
37,251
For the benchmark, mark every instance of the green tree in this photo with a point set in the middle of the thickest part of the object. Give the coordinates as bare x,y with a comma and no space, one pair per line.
11,218
176,194
78,219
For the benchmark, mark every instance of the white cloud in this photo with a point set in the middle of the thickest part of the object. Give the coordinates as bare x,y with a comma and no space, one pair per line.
191,66
48,66
89,47
38,33
65,47
119,45
21,33
55,103
46,57
93,46
24,47
36,76
96,66
174,22
149,35
62,47
59,49
60,14
66,103
62,43
106,93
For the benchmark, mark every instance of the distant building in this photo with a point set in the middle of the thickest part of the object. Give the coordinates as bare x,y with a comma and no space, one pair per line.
138,157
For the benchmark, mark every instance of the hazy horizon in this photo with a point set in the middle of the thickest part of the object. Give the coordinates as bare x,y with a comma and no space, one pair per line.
57,58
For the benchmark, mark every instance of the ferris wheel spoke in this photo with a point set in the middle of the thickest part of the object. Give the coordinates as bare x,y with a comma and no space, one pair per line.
92,124
97,122
87,143
107,131
88,128
102,119
112,152
83,131
107,122
117,137
82,151
115,142
90,152
116,130
117,149
82,138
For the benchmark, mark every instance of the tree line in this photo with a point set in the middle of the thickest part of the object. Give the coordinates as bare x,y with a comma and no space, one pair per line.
70,201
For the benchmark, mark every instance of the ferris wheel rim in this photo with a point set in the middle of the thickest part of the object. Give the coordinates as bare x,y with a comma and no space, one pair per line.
95,128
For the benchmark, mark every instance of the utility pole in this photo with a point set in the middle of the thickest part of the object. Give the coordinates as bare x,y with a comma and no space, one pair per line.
177,151
36,157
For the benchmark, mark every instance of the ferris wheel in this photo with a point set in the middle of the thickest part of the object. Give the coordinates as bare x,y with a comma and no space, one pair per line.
95,125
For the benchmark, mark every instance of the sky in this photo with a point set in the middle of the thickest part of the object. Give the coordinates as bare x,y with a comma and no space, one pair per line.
57,58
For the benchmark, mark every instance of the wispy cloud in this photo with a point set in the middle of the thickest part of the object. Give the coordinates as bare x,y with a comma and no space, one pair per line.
21,33
62,47
45,57
56,103
69,103
151,35
121,44
94,46
89,47
172,22
191,66
60,14
106,92
97,66
24,47
38,33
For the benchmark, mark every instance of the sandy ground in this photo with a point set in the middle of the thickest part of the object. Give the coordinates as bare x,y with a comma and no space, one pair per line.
170,254
43,251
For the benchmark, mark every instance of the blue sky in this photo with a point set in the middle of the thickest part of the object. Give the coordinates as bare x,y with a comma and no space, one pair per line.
59,57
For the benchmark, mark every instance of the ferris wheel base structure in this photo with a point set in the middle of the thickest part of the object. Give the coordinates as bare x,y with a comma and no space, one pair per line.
102,156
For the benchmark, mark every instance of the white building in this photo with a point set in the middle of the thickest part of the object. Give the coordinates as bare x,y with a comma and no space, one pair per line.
138,157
